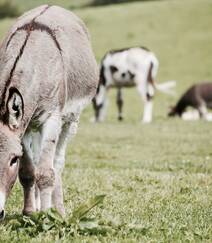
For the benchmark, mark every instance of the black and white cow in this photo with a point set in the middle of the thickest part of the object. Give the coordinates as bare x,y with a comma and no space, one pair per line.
199,97
136,66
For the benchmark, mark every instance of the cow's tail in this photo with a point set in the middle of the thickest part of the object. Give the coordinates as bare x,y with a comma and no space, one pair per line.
166,87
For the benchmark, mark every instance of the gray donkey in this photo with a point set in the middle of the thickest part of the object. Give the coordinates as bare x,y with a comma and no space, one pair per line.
48,74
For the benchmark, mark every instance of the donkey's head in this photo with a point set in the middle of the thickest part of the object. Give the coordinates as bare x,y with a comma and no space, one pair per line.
10,146
10,152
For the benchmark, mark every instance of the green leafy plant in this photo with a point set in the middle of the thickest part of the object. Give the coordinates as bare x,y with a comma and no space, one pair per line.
52,220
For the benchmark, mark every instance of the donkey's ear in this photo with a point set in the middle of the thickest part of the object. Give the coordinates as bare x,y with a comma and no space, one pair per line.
15,108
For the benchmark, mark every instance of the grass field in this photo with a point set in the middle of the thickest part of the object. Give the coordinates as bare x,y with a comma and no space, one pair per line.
158,177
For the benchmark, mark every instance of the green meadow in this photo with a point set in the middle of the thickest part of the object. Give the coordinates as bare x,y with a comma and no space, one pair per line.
157,178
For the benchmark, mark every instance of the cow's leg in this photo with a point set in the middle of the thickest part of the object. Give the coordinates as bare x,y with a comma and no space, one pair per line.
100,103
45,174
119,102
148,107
102,110
148,103
203,111
27,176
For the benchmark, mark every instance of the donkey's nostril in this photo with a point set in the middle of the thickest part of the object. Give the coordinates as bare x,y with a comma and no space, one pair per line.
2,214
123,75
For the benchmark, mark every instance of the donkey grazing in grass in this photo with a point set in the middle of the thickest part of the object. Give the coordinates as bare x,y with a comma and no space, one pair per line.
48,74
135,66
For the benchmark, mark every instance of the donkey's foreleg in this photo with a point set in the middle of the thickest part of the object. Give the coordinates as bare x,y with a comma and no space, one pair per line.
36,146
119,102
69,129
27,176
37,198
45,175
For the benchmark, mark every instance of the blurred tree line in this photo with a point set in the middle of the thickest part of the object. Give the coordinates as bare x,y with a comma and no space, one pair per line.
13,8
7,9
105,2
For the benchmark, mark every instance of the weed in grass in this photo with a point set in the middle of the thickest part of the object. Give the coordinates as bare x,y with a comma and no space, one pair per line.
51,220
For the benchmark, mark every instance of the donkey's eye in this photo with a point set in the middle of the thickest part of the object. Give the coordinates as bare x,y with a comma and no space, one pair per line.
14,161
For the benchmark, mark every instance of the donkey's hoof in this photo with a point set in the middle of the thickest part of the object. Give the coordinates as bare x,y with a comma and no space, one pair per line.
120,118
28,211
61,211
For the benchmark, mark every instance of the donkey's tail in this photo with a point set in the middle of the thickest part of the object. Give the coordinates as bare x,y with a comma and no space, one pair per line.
166,87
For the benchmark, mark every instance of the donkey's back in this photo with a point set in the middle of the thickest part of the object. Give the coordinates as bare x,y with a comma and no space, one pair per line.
54,44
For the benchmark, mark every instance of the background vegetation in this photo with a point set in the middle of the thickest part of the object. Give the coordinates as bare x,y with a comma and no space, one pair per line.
158,177
7,9
12,8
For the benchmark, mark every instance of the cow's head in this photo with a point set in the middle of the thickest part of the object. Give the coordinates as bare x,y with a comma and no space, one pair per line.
10,146
121,74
